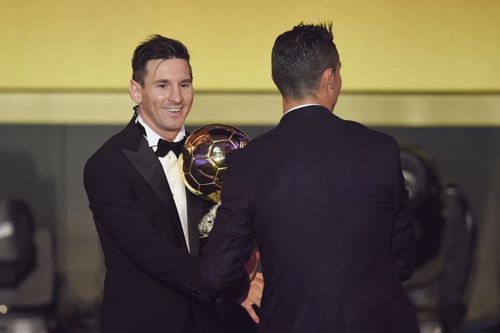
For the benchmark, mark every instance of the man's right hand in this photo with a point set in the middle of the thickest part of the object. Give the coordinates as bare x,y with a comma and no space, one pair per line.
254,296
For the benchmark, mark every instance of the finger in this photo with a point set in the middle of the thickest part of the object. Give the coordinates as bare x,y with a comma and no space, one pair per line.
257,289
254,298
257,283
251,312
256,301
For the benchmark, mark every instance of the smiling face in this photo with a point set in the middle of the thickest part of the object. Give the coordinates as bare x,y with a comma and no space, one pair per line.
166,96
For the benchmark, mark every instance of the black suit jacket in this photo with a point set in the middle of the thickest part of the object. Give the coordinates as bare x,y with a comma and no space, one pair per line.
152,283
325,201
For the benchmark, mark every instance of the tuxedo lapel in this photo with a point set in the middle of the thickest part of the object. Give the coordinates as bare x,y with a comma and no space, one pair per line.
149,167
146,162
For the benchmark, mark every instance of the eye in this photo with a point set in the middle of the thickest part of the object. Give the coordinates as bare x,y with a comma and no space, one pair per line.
185,85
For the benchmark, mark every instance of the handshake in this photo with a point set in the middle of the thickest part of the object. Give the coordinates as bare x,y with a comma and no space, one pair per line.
254,296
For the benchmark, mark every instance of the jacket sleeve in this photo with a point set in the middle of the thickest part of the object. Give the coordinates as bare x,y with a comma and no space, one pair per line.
121,215
230,242
403,231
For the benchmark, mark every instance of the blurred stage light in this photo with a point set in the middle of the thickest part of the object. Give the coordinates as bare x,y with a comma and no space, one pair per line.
17,257
23,324
446,239
27,271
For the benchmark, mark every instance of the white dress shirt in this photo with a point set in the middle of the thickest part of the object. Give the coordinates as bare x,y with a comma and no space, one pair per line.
299,106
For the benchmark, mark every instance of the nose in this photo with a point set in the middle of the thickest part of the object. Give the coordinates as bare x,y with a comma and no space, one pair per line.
175,95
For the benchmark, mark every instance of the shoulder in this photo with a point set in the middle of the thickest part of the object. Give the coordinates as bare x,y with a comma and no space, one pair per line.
108,152
260,142
371,136
255,147
109,147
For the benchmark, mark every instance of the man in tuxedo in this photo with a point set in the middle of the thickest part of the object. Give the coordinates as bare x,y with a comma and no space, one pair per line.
145,218
324,199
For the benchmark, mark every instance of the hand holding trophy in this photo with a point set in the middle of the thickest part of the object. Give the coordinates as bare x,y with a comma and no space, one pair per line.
203,164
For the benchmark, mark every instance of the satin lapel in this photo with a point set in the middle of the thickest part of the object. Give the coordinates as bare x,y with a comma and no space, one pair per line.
195,213
148,165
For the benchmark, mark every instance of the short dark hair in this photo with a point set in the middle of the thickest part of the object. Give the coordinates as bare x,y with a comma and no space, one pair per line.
156,47
300,56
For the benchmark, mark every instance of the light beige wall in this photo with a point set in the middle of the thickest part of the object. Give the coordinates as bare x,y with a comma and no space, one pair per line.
69,61
395,45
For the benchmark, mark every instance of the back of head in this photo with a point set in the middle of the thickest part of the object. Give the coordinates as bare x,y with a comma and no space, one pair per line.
299,58
156,47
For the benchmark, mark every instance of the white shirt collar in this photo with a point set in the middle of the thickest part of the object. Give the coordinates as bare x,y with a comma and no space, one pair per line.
300,106
153,137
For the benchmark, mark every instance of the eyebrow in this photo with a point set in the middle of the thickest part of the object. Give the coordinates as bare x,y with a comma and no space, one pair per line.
167,81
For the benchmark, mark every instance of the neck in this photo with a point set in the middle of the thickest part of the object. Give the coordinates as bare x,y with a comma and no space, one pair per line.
290,103
164,134
169,136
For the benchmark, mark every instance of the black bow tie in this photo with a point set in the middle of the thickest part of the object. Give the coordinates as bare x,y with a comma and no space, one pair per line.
164,147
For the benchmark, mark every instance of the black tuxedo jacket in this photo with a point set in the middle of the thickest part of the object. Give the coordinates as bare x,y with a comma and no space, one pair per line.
325,201
152,283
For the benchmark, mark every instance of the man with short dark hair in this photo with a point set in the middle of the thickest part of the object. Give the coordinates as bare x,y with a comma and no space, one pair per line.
324,199
145,218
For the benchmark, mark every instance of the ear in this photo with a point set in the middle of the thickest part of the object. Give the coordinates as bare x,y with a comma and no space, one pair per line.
135,91
329,74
